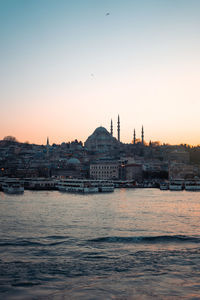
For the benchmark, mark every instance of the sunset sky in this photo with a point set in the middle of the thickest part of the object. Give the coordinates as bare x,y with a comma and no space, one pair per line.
67,67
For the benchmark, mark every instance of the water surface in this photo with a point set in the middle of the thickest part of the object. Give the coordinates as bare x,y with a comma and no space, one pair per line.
130,244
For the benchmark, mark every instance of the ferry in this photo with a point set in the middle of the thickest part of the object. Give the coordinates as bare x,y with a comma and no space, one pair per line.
85,186
39,184
164,186
176,185
124,184
105,186
192,185
12,186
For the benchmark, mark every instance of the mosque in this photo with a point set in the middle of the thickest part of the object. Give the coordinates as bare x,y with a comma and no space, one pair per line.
102,140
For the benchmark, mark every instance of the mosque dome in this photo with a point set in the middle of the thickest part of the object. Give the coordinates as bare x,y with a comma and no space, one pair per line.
73,161
101,130
101,140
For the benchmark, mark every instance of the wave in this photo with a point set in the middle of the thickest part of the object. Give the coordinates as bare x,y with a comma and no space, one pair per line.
27,243
148,239
108,239
56,237
25,284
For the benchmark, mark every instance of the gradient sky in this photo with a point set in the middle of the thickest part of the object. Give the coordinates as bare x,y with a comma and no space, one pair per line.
67,68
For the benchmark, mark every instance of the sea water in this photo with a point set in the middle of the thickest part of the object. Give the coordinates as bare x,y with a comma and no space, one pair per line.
130,244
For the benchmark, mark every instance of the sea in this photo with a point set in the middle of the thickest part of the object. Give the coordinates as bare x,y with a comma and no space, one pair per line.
129,244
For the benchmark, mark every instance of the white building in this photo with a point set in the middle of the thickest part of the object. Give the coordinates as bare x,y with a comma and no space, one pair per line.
104,170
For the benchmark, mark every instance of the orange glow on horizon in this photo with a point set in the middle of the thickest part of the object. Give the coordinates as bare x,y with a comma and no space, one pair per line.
39,137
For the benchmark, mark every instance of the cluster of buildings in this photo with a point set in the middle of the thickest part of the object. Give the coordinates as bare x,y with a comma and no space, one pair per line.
102,156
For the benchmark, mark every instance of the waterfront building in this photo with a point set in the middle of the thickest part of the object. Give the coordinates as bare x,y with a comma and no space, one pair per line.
180,156
133,172
183,171
104,170
155,168
130,170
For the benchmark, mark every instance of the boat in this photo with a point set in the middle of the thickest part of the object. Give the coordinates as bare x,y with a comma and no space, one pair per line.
164,186
85,186
77,186
105,186
124,184
176,185
39,184
12,186
192,185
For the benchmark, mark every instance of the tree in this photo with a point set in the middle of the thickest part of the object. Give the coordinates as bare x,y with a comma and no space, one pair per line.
156,144
10,138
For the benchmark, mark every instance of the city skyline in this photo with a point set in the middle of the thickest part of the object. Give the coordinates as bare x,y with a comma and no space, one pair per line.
69,67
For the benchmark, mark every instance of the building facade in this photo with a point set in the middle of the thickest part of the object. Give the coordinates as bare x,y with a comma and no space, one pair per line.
104,170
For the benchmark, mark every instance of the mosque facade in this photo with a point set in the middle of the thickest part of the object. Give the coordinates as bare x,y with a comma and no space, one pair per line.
103,141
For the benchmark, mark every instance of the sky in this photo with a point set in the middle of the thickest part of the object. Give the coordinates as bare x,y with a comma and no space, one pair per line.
68,67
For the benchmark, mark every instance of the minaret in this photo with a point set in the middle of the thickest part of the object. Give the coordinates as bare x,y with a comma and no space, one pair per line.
118,129
47,157
142,135
134,137
47,146
111,127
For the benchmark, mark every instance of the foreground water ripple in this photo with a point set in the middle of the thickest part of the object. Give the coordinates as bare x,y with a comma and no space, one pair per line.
130,244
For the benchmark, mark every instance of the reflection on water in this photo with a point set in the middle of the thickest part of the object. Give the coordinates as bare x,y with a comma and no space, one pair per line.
130,244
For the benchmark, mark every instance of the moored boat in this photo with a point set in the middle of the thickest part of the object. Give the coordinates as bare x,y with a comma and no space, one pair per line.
176,185
124,184
12,186
85,186
105,186
39,184
164,186
192,185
